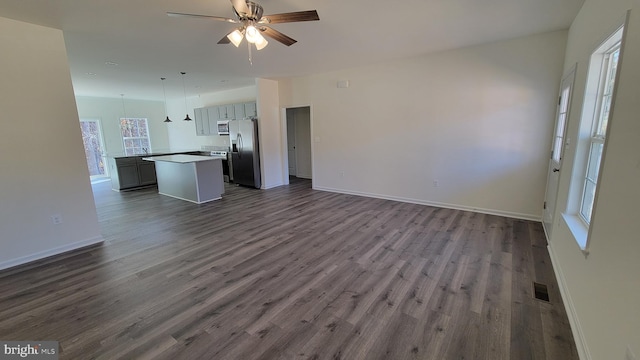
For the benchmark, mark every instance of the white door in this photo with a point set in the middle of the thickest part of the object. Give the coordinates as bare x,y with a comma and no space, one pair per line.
558,144
94,148
291,144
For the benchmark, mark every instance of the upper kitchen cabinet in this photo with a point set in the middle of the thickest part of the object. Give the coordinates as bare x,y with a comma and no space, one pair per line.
226,112
239,111
250,110
206,119
201,116
213,119
213,113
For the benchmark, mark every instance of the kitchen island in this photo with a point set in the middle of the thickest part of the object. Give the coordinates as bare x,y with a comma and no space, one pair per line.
193,178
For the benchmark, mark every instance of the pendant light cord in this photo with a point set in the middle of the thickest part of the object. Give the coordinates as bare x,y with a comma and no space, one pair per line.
164,92
184,89
123,109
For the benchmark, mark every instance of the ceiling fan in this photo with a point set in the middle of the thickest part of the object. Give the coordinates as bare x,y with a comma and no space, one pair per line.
253,24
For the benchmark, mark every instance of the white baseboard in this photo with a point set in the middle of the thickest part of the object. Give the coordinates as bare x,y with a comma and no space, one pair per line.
436,204
574,321
51,252
270,186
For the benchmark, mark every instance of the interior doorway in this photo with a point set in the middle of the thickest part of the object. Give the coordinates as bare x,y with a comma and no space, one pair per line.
94,149
298,121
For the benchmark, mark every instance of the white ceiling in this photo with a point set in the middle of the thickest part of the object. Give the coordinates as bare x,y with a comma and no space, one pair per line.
147,44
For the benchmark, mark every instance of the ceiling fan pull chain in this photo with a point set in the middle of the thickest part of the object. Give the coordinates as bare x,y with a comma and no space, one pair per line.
250,60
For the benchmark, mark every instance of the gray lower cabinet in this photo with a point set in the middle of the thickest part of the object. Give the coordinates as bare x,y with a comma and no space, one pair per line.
131,172
146,172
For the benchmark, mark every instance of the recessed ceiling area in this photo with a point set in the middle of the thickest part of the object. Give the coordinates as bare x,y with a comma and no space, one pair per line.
120,46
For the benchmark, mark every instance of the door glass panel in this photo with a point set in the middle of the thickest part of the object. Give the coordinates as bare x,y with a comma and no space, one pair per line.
92,141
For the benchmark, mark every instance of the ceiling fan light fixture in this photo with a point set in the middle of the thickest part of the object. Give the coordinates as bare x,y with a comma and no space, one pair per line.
235,37
252,34
261,43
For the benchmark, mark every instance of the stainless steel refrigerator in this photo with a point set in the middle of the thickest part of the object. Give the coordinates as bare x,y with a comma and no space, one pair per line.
245,157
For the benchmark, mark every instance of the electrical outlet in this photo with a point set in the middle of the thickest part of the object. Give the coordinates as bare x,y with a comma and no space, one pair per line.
436,183
629,355
56,219
341,173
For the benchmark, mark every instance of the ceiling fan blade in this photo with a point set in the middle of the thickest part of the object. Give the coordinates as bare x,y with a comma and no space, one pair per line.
225,39
174,14
309,15
240,6
277,36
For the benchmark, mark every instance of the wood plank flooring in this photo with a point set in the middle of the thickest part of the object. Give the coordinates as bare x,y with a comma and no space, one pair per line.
291,273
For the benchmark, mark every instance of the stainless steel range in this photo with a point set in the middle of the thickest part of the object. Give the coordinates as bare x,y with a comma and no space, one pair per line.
227,168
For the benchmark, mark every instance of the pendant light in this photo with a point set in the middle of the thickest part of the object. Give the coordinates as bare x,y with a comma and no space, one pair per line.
184,89
164,91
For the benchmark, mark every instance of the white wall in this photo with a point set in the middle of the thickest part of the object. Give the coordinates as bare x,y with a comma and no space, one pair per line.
110,110
602,291
477,120
41,153
182,134
271,134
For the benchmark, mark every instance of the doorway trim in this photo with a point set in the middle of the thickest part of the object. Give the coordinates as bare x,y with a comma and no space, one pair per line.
284,150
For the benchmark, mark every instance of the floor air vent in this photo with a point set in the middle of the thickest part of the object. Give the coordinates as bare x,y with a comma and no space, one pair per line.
540,291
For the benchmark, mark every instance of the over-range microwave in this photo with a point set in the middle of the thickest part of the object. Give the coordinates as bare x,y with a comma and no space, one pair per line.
223,127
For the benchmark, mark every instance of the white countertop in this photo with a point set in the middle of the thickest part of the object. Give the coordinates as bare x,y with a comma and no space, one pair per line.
183,159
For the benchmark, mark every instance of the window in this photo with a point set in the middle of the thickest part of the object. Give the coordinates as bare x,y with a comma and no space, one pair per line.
135,135
599,131
592,133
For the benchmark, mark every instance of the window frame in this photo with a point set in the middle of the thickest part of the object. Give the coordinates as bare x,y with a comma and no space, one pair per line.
606,88
127,149
588,121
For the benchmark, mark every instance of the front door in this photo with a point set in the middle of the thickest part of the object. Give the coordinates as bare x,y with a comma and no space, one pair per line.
557,149
93,148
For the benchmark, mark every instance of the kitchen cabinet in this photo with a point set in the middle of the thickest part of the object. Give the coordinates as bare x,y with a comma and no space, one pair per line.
127,173
206,119
239,111
213,113
201,118
250,110
146,172
131,172
213,119
226,112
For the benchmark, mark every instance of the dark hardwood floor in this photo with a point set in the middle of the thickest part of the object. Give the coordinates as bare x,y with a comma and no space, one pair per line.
291,273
